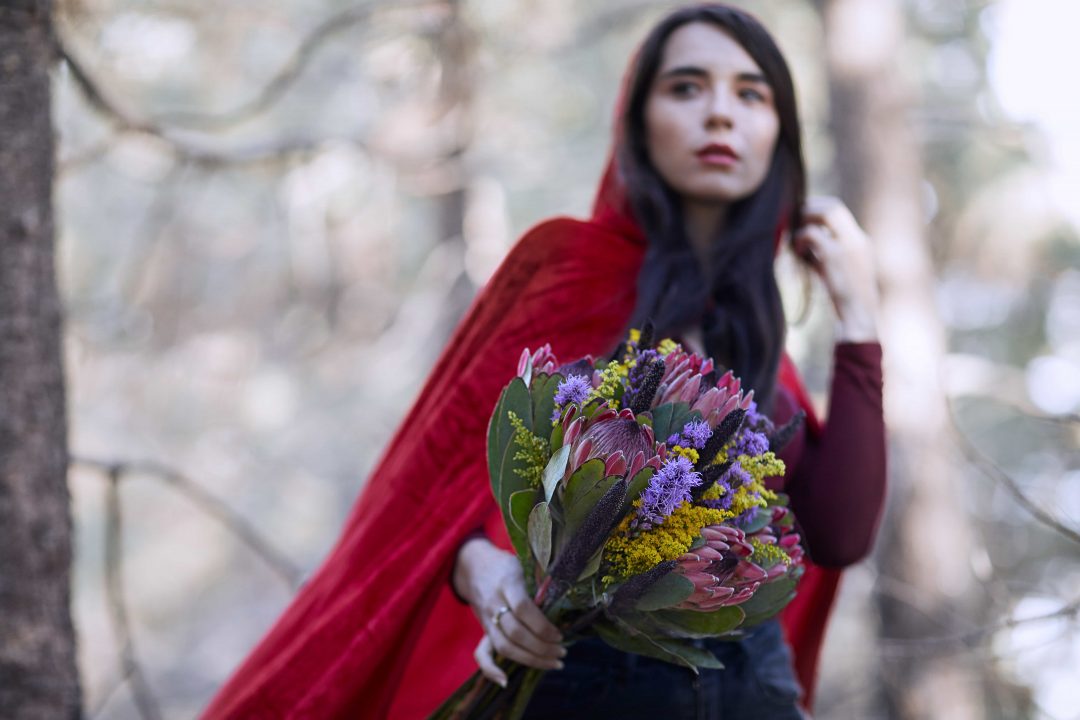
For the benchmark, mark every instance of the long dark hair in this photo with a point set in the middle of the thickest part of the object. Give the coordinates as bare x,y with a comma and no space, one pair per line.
739,307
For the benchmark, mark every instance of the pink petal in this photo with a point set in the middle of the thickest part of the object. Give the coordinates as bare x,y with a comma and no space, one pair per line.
523,362
615,464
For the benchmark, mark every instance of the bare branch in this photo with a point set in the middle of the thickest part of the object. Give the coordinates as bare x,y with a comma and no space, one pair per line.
994,471
185,150
290,573
114,590
287,75
964,640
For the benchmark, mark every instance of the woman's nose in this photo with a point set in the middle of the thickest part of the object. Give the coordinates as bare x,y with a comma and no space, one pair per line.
720,109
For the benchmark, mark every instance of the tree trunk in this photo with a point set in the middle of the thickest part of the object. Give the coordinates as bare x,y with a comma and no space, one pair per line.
925,583
38,675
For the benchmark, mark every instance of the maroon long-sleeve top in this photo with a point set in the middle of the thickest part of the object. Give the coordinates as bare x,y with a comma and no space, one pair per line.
836,480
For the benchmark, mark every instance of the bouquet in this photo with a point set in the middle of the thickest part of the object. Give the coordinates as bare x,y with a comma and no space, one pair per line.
633,491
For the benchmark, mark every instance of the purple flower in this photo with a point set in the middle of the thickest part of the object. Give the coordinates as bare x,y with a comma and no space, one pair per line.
735,476
696,433
673,439
556,414
668,489
751,443
574,389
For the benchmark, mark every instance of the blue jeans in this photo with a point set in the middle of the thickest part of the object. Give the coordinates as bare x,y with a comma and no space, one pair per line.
757,683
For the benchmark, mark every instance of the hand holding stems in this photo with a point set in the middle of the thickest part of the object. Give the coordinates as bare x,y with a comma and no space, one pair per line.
491,579
842,255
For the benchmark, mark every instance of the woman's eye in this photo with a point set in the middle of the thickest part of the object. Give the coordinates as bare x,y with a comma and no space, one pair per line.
751,94
684,88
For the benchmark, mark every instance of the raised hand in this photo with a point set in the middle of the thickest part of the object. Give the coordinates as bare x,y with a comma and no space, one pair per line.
838,250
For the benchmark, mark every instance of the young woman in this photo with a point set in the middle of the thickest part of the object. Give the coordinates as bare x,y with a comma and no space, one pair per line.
706,174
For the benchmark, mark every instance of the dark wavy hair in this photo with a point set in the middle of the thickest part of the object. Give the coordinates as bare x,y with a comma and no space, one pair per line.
739,307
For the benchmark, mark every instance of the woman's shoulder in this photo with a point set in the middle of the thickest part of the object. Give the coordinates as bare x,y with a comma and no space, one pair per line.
570,239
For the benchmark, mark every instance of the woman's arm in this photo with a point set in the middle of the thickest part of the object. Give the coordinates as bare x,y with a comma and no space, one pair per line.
837,489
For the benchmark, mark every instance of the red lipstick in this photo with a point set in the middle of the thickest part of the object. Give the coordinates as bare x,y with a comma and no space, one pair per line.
718,155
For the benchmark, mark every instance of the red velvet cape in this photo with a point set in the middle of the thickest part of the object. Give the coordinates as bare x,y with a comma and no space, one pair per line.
376,631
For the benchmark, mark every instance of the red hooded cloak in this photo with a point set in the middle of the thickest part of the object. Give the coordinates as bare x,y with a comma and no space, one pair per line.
377,632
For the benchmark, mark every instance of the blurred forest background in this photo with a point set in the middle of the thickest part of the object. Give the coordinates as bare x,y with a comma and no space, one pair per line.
269,216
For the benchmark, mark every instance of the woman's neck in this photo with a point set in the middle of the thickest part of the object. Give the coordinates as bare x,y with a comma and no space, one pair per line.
703,221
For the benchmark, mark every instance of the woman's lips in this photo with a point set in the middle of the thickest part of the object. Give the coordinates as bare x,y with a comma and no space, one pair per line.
718,155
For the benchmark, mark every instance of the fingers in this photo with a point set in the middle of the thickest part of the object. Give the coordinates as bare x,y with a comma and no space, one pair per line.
484,659
815,244
511,639
530,616
831,212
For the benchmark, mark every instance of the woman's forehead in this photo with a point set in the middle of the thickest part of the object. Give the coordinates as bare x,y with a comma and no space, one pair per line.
705,46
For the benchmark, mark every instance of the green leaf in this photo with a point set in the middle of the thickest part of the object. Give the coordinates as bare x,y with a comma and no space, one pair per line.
543,401
770,599
540,534
636,487
669,590
583,489
518,510
555,470
661,421
515,398
592,566
622,636
695,624
495,448
510,481
763,518
556,436
680,415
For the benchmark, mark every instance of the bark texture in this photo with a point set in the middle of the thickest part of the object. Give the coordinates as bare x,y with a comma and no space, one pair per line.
38,675
926,587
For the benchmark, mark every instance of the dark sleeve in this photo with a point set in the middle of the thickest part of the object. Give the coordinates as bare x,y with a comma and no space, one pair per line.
838,487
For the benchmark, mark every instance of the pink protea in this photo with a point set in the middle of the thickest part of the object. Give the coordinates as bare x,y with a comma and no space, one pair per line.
543,361
625,445
721,570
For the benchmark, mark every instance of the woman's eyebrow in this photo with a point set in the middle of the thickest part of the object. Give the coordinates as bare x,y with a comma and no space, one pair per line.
695,71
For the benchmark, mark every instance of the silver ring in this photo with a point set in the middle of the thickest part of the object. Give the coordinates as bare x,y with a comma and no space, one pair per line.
497,615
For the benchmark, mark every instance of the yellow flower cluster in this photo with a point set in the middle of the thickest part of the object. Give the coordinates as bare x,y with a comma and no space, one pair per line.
767,555
626,556
611,380
689,453
532,450
667,346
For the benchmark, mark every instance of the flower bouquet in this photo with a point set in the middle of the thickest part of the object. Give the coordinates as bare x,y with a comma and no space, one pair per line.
633,492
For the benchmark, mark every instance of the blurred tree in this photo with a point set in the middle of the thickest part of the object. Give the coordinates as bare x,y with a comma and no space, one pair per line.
880,173
38,677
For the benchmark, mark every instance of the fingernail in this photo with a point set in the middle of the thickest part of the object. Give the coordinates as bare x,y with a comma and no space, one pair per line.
559,665
502,682
562,652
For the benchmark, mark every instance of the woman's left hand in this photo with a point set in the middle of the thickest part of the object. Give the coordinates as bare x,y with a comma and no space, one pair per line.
842,255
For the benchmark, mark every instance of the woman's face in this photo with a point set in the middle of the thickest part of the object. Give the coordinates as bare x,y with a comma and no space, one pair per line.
710,122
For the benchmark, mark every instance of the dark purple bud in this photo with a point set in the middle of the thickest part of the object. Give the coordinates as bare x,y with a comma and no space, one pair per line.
644,396
592,535
708,477
783,435
720,437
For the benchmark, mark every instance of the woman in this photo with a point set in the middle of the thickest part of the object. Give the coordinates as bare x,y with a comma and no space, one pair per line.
705,172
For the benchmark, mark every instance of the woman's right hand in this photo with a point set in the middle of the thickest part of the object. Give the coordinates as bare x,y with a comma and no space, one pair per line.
492,581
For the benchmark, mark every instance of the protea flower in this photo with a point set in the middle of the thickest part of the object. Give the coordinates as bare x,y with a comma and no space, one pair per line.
721,570
543,361
625,445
